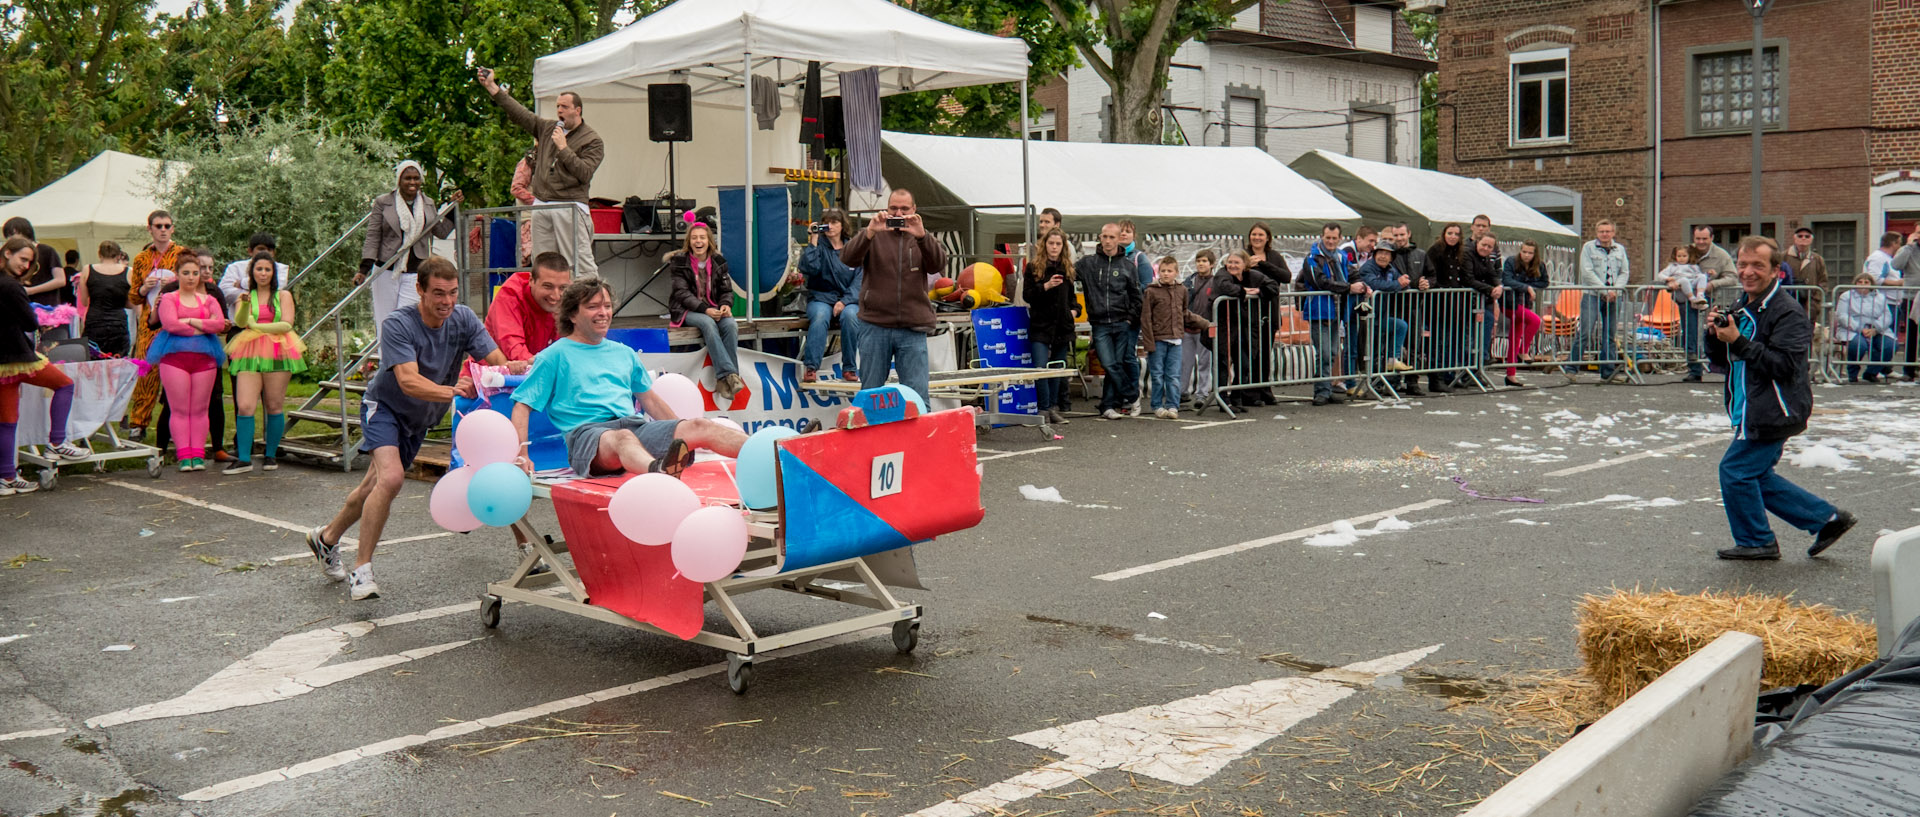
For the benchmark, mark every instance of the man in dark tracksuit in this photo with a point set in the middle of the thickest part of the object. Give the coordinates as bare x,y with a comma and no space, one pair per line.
1762,342
1110,281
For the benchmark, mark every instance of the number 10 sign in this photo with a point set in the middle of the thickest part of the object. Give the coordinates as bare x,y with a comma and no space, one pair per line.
887,475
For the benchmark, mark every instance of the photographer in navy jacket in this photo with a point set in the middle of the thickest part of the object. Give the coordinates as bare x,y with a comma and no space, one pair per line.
1763,341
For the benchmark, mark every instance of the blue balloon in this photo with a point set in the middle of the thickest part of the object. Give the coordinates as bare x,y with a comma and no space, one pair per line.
911,395
759,467
499,494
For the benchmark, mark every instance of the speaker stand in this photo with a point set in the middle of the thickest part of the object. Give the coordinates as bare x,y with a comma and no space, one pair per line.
673,194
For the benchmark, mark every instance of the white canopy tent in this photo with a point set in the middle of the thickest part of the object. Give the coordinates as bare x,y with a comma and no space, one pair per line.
106,199
1162,188
1427,199
716,45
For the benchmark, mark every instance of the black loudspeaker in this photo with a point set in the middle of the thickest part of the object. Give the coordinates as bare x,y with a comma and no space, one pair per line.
670,112
833,123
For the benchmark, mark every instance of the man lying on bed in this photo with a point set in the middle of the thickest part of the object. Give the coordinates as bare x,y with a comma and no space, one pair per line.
588,386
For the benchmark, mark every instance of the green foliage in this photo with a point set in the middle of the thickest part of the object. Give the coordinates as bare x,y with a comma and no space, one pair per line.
296,177
990,110
81,76
1426,29
1139,38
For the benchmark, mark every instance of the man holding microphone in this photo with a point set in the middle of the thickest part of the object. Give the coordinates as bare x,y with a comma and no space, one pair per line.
566,152
1763,341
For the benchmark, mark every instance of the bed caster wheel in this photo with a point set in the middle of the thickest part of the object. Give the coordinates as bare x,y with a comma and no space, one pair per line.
48,478
489,610
739,673
153,467
906,635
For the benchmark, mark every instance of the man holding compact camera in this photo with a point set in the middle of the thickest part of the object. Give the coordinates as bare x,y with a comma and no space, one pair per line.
1762,341
897,254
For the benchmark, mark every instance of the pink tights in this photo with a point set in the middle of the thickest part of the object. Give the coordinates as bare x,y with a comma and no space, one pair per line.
188,379
1525,325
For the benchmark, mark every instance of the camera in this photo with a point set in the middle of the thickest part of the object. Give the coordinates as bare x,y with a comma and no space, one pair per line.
896,222
1720,319
817,229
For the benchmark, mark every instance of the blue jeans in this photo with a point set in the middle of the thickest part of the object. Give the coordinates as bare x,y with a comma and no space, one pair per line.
1326,340
1388,335
820,325
1690,338
723,341
1115,343
1163,371
1750,489
1596,310
1876,349
884,349
1050,392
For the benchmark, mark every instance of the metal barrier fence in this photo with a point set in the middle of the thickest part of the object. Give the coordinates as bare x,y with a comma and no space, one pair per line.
1850,311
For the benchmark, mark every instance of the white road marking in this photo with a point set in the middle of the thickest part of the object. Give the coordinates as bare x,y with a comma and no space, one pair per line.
348,540
32,733
1260,543
337,759
291,666
8,639
1183,742
1216,423
1657,452
254,517
1000,455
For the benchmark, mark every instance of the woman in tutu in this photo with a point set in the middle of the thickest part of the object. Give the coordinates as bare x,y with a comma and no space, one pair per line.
263,357
188,353
19,363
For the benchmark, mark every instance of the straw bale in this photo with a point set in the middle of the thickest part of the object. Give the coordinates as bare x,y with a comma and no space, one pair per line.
1628,638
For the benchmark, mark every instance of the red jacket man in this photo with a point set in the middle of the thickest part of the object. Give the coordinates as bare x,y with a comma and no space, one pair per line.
521,319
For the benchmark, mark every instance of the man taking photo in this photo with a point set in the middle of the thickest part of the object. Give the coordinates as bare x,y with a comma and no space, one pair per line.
1763,341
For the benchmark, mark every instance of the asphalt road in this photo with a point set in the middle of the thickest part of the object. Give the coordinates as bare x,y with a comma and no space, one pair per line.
1046,615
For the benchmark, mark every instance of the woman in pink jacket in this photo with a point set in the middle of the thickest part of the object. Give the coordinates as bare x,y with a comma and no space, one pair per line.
187,349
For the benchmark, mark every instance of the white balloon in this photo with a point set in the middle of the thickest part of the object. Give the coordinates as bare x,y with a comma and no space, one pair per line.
681,395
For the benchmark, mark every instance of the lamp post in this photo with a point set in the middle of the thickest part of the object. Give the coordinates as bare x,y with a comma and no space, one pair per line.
1757,8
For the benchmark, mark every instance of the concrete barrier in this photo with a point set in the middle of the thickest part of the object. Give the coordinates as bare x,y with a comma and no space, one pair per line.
1655,754
1896,584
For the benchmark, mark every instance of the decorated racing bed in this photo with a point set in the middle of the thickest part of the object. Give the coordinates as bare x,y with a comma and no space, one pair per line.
853,501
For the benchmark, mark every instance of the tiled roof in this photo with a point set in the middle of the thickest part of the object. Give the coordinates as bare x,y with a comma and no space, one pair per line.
1311,21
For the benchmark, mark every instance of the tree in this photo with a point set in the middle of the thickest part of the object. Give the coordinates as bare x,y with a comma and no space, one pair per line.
1129,43
1426,29
81,76
985,110
296,177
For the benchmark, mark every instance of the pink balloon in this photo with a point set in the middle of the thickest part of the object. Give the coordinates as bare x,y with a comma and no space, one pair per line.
710,543
449,501
486,437
729,423
681,395
649,508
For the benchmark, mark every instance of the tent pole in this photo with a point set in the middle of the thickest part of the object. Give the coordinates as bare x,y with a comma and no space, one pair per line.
746,118
1026,176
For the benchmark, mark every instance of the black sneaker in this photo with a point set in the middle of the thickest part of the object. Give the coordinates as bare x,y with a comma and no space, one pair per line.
269,464
237,467
1336,398
1322,399
1692,378
1832,531
1767,553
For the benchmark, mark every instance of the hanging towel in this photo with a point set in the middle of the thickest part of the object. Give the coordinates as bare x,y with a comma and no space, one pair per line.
811,133
860,110
766,101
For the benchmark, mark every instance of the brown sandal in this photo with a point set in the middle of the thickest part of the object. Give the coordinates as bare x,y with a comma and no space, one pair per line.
678,458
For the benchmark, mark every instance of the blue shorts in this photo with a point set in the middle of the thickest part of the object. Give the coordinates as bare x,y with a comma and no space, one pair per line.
380,428
583,442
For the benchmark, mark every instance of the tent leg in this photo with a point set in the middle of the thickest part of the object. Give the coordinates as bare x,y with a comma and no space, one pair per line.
746,181
1026,175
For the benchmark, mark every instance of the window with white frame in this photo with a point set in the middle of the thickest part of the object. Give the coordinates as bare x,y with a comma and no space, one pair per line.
1042,127
1539,96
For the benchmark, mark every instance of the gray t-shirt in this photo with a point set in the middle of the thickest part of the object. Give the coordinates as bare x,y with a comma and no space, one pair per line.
439,352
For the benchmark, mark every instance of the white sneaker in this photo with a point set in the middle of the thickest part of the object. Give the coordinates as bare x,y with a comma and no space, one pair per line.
1167,414
69,450
360,584
1134,410
1110,414
9,487
327,555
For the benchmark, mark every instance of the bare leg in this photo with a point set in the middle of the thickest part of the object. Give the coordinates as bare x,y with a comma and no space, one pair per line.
369,503
246,394
273,391
712,436
620,450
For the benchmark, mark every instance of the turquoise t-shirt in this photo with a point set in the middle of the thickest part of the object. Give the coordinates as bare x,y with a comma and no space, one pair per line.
576,383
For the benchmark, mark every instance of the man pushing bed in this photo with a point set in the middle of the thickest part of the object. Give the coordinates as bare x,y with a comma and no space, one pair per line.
589,386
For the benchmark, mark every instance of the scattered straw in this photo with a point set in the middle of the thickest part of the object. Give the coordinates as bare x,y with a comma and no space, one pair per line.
1629,638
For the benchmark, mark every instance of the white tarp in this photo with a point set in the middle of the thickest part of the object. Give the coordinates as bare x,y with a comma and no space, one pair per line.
101,389
1164,189
106,199
1429,195
707,37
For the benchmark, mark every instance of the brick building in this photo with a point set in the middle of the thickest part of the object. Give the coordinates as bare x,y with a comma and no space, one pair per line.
1637,111
1287,77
